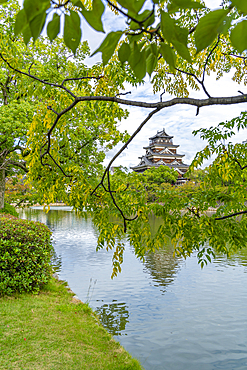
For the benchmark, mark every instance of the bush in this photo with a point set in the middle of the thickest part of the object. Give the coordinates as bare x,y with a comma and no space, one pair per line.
8,209
25,254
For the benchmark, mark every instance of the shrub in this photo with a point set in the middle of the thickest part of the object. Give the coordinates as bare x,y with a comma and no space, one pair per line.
25,254
8,209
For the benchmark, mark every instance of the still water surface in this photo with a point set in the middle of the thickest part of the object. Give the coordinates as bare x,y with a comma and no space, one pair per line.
166,311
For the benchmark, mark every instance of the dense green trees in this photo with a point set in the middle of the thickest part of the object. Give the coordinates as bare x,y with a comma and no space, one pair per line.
178,43
31,103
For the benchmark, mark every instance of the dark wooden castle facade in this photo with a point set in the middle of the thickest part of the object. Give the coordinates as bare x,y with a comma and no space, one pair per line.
162,152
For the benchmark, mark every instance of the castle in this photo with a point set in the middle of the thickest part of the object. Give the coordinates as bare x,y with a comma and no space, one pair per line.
162,152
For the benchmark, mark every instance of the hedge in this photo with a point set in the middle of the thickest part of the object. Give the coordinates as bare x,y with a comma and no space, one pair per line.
25,255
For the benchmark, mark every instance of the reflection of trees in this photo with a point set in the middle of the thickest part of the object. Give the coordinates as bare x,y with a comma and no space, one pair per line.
56,261
242,256
114,317
55,217
239,257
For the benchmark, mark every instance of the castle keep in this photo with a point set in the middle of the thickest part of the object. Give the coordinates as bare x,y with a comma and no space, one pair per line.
161,152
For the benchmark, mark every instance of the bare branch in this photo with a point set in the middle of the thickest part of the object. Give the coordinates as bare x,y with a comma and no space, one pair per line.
194,211
116,205
169,103
21,165
231,215
81,78
128,92
207,59
125,146
58,165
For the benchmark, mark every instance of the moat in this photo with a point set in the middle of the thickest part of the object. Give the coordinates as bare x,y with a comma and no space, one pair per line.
165,311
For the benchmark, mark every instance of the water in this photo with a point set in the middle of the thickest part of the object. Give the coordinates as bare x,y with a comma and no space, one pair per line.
166,311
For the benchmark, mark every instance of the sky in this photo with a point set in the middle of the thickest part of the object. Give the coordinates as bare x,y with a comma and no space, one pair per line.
178,121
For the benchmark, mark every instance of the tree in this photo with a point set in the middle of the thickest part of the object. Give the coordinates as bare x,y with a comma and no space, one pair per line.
178,43
160,175
15,110
83,133
198,175
18,192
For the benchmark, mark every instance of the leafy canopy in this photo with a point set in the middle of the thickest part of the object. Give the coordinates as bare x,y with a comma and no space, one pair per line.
178,43
151,29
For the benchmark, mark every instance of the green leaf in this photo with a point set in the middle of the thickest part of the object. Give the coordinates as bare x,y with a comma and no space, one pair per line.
109,45
179,40
35,7
223,29
137,61
154,49
27,34
208,28
72,31
146,14
208,257
132,5
181,35
3,1
37,24
53,27
176,35
175,5
93,17
238,36
20,22
124,52
149,15
241,5
167,26
168,54
151,62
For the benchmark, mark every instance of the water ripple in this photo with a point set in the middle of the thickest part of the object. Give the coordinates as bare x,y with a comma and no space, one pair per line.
166,311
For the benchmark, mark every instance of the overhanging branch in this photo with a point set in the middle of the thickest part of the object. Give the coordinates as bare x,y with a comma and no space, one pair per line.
231,215
169,103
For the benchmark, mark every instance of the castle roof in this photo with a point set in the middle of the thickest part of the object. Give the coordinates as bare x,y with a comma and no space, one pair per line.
163,153
146,163
161,134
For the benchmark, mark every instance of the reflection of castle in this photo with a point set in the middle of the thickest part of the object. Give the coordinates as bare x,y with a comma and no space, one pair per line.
162,152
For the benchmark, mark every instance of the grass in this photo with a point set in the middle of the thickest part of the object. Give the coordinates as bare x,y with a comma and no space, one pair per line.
52,330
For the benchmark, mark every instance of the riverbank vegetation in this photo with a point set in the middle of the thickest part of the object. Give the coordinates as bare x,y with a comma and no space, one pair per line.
53,330
42,325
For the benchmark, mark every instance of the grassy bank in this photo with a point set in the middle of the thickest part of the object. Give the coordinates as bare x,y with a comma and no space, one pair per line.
52,330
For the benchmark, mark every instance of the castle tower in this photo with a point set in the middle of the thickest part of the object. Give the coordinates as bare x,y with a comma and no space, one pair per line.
161,152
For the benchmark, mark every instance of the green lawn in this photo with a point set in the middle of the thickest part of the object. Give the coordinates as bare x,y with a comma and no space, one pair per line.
53,331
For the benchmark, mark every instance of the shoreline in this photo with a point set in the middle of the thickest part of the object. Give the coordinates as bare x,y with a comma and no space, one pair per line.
55,330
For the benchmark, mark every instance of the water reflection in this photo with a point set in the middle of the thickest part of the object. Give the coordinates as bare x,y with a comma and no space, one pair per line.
163,267
166,311
56,262
114,317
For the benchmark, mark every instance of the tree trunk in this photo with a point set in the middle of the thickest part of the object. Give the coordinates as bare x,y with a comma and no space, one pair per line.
2,187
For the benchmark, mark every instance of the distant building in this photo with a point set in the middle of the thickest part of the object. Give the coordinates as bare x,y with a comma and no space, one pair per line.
162,152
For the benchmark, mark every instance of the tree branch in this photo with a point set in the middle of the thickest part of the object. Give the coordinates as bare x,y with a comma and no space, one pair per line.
231,215
169,103
18,164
